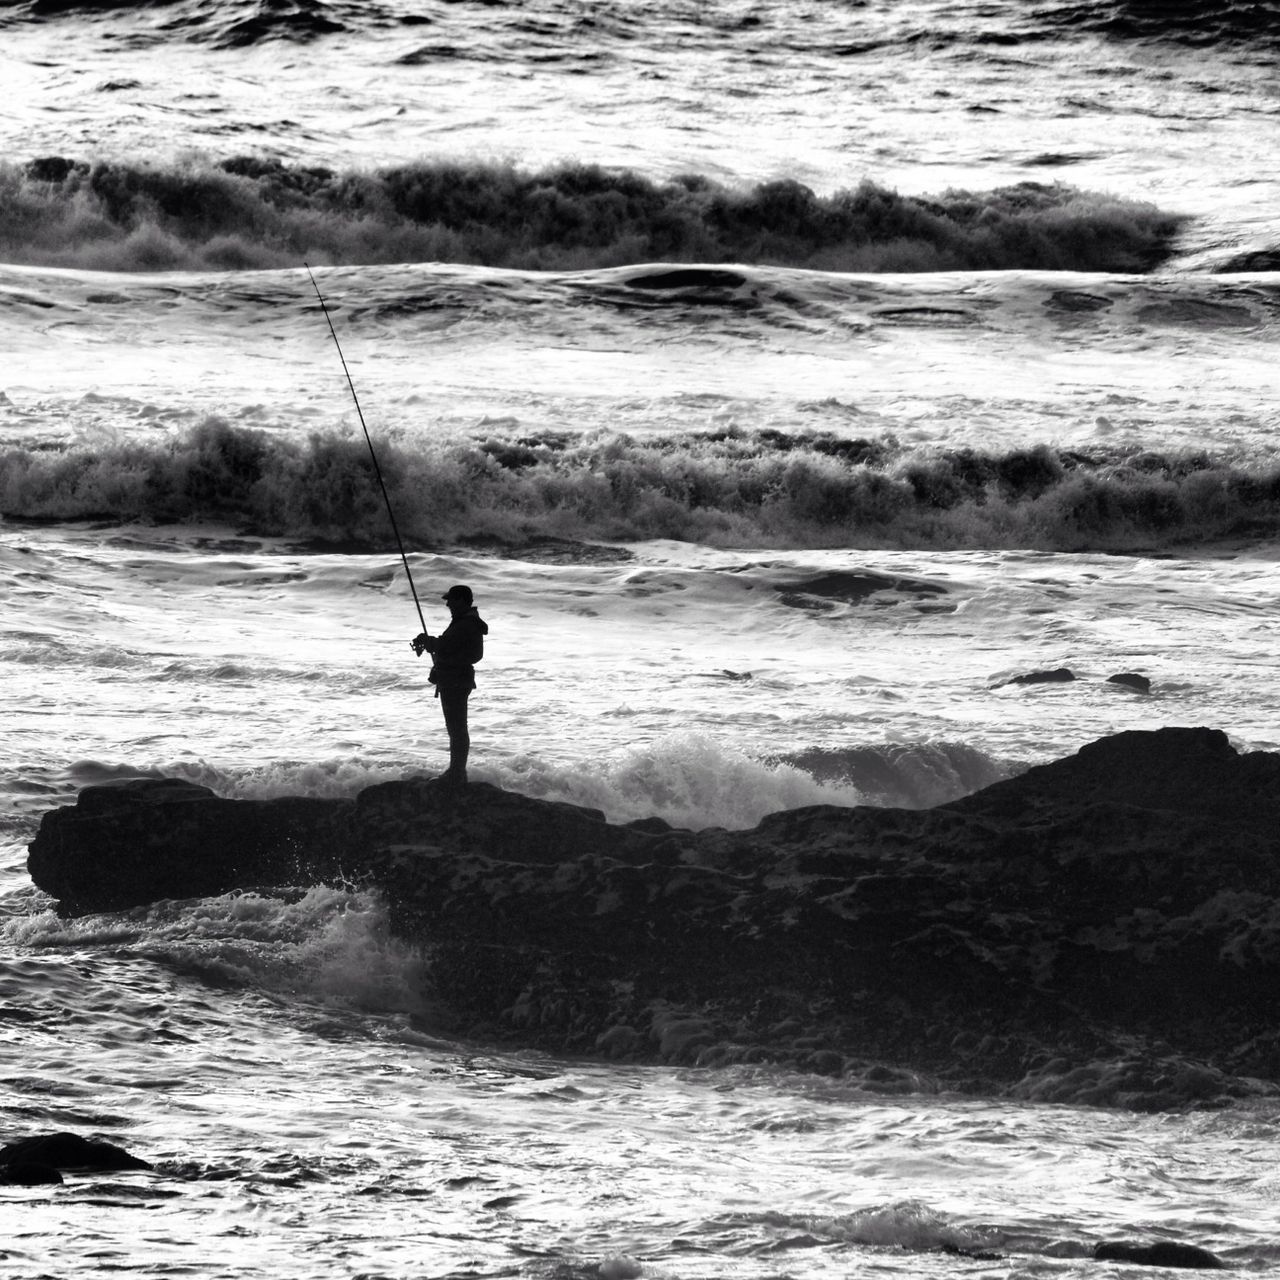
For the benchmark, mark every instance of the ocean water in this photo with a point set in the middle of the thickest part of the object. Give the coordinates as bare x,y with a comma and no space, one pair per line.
785,378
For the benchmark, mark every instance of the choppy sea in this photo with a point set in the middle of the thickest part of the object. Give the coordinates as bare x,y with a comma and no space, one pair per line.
785,377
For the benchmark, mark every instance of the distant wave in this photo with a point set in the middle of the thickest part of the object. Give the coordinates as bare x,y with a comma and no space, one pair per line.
1202,23
227,24
233,24
252,213
729,488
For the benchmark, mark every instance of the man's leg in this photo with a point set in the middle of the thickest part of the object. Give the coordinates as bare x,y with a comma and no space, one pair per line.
453,702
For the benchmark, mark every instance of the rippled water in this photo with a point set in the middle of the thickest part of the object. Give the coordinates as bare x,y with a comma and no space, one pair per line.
412,1154
919,95
274,1053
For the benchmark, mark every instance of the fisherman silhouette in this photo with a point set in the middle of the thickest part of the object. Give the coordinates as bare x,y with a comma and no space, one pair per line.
455,651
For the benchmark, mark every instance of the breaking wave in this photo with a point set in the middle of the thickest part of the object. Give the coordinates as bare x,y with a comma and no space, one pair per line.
688,780
905,775
250,213
321,944
236,24
728,488
1200,23
228,24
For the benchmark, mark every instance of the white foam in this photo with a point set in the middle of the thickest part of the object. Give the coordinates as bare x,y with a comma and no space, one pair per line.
326,945
906,1224
688,779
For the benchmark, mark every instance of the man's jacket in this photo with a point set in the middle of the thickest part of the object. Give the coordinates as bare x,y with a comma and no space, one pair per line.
456,650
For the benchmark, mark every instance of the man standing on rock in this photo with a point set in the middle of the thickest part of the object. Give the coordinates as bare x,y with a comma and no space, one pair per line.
455,651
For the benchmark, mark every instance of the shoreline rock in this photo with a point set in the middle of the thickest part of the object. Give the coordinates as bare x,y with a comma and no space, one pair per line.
1131,680
1064,675
1104,928
33,1159
1159,1253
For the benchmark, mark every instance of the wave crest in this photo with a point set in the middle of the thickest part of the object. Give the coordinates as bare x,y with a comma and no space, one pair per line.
249,213
905,775
1199,23
230,24
320,944
727,488
686,779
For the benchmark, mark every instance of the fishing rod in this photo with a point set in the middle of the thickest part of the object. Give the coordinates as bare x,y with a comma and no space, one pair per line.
377,470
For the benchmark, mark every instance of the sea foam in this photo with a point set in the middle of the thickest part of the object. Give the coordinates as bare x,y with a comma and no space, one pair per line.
252,213
907,1224
324,944
687,779
332,778
731,487
905,775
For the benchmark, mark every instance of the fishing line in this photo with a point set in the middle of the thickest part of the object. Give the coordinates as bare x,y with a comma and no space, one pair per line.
377,470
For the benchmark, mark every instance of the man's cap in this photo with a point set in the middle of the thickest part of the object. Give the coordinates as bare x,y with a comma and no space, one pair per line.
458,592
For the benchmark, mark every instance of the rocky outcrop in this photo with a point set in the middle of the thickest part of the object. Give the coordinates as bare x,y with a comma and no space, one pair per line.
1132,680
1064,675
32,1159
1160,1253
29,1175
1059,675
125,844
1105,928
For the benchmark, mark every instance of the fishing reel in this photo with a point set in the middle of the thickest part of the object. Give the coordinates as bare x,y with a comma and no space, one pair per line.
420,644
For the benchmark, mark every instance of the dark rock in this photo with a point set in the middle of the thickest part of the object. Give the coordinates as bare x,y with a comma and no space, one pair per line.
1110,921
1163,1253
654,826
1189,772
505,825
67,1151
977,1255
126,844
29,1175
1131,680
1060,675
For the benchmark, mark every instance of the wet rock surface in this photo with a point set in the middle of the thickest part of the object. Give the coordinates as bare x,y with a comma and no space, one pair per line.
1059,675
1160,1253
39,1158
125,844
1104,929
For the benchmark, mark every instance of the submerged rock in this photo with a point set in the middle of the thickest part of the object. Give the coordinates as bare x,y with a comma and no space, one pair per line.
125,844
29,1175
1131,680
1059,675
1104,928
1162,1253
64,1151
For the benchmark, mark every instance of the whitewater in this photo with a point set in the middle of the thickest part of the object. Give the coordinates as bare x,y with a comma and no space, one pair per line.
786,379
